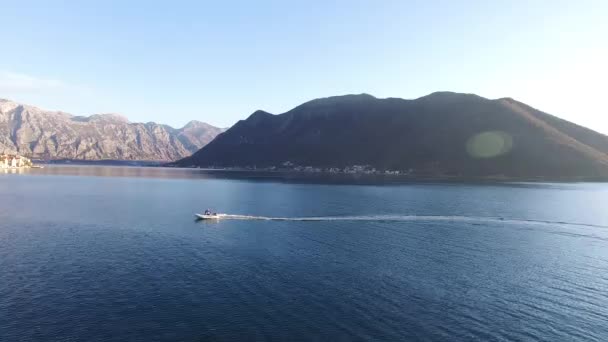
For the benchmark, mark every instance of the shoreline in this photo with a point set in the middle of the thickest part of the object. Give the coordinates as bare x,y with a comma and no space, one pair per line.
404,176
355,177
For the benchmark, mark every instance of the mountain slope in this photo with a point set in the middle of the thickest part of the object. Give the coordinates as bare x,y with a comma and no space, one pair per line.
442,134
36,133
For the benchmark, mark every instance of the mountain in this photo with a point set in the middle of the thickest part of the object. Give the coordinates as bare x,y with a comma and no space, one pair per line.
197,134
41,134
443,134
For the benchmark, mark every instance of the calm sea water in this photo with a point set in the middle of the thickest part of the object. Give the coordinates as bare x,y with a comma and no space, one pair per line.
114,254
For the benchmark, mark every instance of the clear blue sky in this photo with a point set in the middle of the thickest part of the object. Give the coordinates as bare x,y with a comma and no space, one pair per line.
218,61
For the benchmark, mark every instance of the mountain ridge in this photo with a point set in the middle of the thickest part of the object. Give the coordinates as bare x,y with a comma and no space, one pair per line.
42,134
434,135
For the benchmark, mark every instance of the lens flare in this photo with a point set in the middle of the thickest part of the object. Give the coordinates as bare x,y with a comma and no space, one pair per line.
489,144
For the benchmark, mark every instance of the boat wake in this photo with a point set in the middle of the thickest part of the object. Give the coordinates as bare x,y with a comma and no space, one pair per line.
405,218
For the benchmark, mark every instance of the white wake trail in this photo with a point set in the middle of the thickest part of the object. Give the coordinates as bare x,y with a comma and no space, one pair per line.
405,218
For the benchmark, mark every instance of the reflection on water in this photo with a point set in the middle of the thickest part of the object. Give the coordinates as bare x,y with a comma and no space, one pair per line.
287,177
190,173
12,171
117,171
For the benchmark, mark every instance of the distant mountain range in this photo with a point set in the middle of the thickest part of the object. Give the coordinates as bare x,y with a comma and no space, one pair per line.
40,134
443,134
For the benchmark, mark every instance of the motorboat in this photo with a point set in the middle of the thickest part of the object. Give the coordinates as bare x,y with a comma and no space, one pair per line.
210,216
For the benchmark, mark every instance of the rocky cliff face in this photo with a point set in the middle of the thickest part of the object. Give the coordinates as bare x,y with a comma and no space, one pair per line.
41,134
442,134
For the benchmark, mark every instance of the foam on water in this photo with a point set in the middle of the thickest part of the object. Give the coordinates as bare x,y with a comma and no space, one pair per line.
402,218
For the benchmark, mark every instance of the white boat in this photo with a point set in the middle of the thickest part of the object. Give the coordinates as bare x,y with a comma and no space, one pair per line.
208,216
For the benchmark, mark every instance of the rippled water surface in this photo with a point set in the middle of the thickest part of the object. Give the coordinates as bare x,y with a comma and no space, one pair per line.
114,254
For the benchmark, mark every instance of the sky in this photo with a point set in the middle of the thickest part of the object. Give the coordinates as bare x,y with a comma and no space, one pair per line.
219,61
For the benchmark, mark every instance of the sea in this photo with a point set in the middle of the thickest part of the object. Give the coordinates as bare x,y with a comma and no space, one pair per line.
101,253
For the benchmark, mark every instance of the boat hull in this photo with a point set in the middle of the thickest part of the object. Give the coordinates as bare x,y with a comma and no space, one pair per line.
207,217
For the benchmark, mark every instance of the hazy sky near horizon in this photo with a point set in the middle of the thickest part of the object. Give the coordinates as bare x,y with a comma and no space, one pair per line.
219,61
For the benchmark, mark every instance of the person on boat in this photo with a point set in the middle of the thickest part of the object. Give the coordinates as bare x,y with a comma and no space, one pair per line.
207,212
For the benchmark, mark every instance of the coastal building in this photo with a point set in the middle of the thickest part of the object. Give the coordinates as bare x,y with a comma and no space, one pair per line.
13,161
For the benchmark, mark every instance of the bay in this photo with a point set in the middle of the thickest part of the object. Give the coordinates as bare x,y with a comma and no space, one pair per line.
115,254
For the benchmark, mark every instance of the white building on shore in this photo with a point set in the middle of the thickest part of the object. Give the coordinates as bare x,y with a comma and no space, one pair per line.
13,161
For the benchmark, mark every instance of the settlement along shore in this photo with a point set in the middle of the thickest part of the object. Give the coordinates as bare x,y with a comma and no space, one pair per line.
14,161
